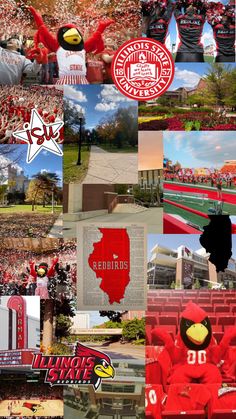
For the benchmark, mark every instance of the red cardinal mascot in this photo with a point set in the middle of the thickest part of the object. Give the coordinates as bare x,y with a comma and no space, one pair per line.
195,355
70,48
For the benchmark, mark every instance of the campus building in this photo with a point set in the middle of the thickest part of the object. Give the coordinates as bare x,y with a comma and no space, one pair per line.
20,333
81,320
149,179
122,397
181,94
181,268
14,178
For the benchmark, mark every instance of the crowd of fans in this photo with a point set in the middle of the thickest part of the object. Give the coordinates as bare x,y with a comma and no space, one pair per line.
86,15
15,278
227,180
16,103
15,390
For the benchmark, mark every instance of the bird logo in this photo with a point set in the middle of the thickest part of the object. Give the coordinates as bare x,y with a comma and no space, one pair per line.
103,367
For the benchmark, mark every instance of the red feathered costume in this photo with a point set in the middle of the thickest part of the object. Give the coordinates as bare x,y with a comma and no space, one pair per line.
42,275
70,48
195,355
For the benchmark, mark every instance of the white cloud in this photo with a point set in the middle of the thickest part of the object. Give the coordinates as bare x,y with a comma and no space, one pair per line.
207,38
5,162
78,107
110,98
188,78
206,146
105,107
110,93
76,95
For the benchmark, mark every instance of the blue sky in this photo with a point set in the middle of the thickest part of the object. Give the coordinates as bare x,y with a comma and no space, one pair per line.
199,149
189,74
94,318
175,240
44,161
96,101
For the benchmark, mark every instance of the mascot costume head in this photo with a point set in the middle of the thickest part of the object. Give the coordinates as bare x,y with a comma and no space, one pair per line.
195,354
69,47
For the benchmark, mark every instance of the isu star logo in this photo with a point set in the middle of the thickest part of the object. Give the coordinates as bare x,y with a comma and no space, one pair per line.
39,136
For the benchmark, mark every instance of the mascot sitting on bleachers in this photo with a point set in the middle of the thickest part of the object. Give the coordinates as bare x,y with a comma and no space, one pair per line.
195,356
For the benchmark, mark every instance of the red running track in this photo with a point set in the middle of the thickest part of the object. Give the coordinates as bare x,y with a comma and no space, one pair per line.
227,197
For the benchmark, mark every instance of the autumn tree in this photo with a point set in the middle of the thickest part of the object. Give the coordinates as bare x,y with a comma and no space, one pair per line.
72,117
41,187
119,129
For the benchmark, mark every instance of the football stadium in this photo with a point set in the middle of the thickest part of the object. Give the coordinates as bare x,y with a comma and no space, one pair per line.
191,194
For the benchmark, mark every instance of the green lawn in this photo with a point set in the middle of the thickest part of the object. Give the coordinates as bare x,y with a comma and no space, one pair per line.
28,208
72,172
111,149
207,58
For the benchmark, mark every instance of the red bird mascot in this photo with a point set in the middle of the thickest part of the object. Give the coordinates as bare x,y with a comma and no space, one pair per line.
195,355
70,48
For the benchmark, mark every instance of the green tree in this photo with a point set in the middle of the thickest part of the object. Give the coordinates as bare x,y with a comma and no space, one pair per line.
230,99
72,117
63,325
3,189
197,285
121,189
216,80
114,316
134,329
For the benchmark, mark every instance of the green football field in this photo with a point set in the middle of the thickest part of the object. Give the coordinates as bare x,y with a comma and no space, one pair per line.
198,204
196,219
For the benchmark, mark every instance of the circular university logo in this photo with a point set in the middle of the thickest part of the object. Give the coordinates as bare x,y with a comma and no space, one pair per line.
142,69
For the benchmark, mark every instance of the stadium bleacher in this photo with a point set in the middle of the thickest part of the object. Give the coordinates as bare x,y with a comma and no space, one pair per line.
164,311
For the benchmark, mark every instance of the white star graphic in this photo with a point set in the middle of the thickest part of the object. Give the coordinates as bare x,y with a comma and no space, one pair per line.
40,135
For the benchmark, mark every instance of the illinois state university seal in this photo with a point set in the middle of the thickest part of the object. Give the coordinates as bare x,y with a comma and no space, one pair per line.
142,69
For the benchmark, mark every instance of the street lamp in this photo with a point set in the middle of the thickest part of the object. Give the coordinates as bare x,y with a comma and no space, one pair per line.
88,141
80,138
52,200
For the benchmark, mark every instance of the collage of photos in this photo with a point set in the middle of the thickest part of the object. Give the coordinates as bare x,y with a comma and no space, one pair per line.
117,216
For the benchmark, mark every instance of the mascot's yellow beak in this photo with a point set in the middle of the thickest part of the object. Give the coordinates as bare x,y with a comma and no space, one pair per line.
104,372
72,37
197,333
41,271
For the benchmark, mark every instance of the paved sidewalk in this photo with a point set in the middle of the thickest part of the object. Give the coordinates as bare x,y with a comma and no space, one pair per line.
107,167
57,229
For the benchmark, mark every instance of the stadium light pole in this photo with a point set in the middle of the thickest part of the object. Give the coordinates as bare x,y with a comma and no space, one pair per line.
80,138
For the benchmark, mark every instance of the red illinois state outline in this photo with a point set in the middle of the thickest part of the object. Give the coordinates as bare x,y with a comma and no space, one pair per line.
110,260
